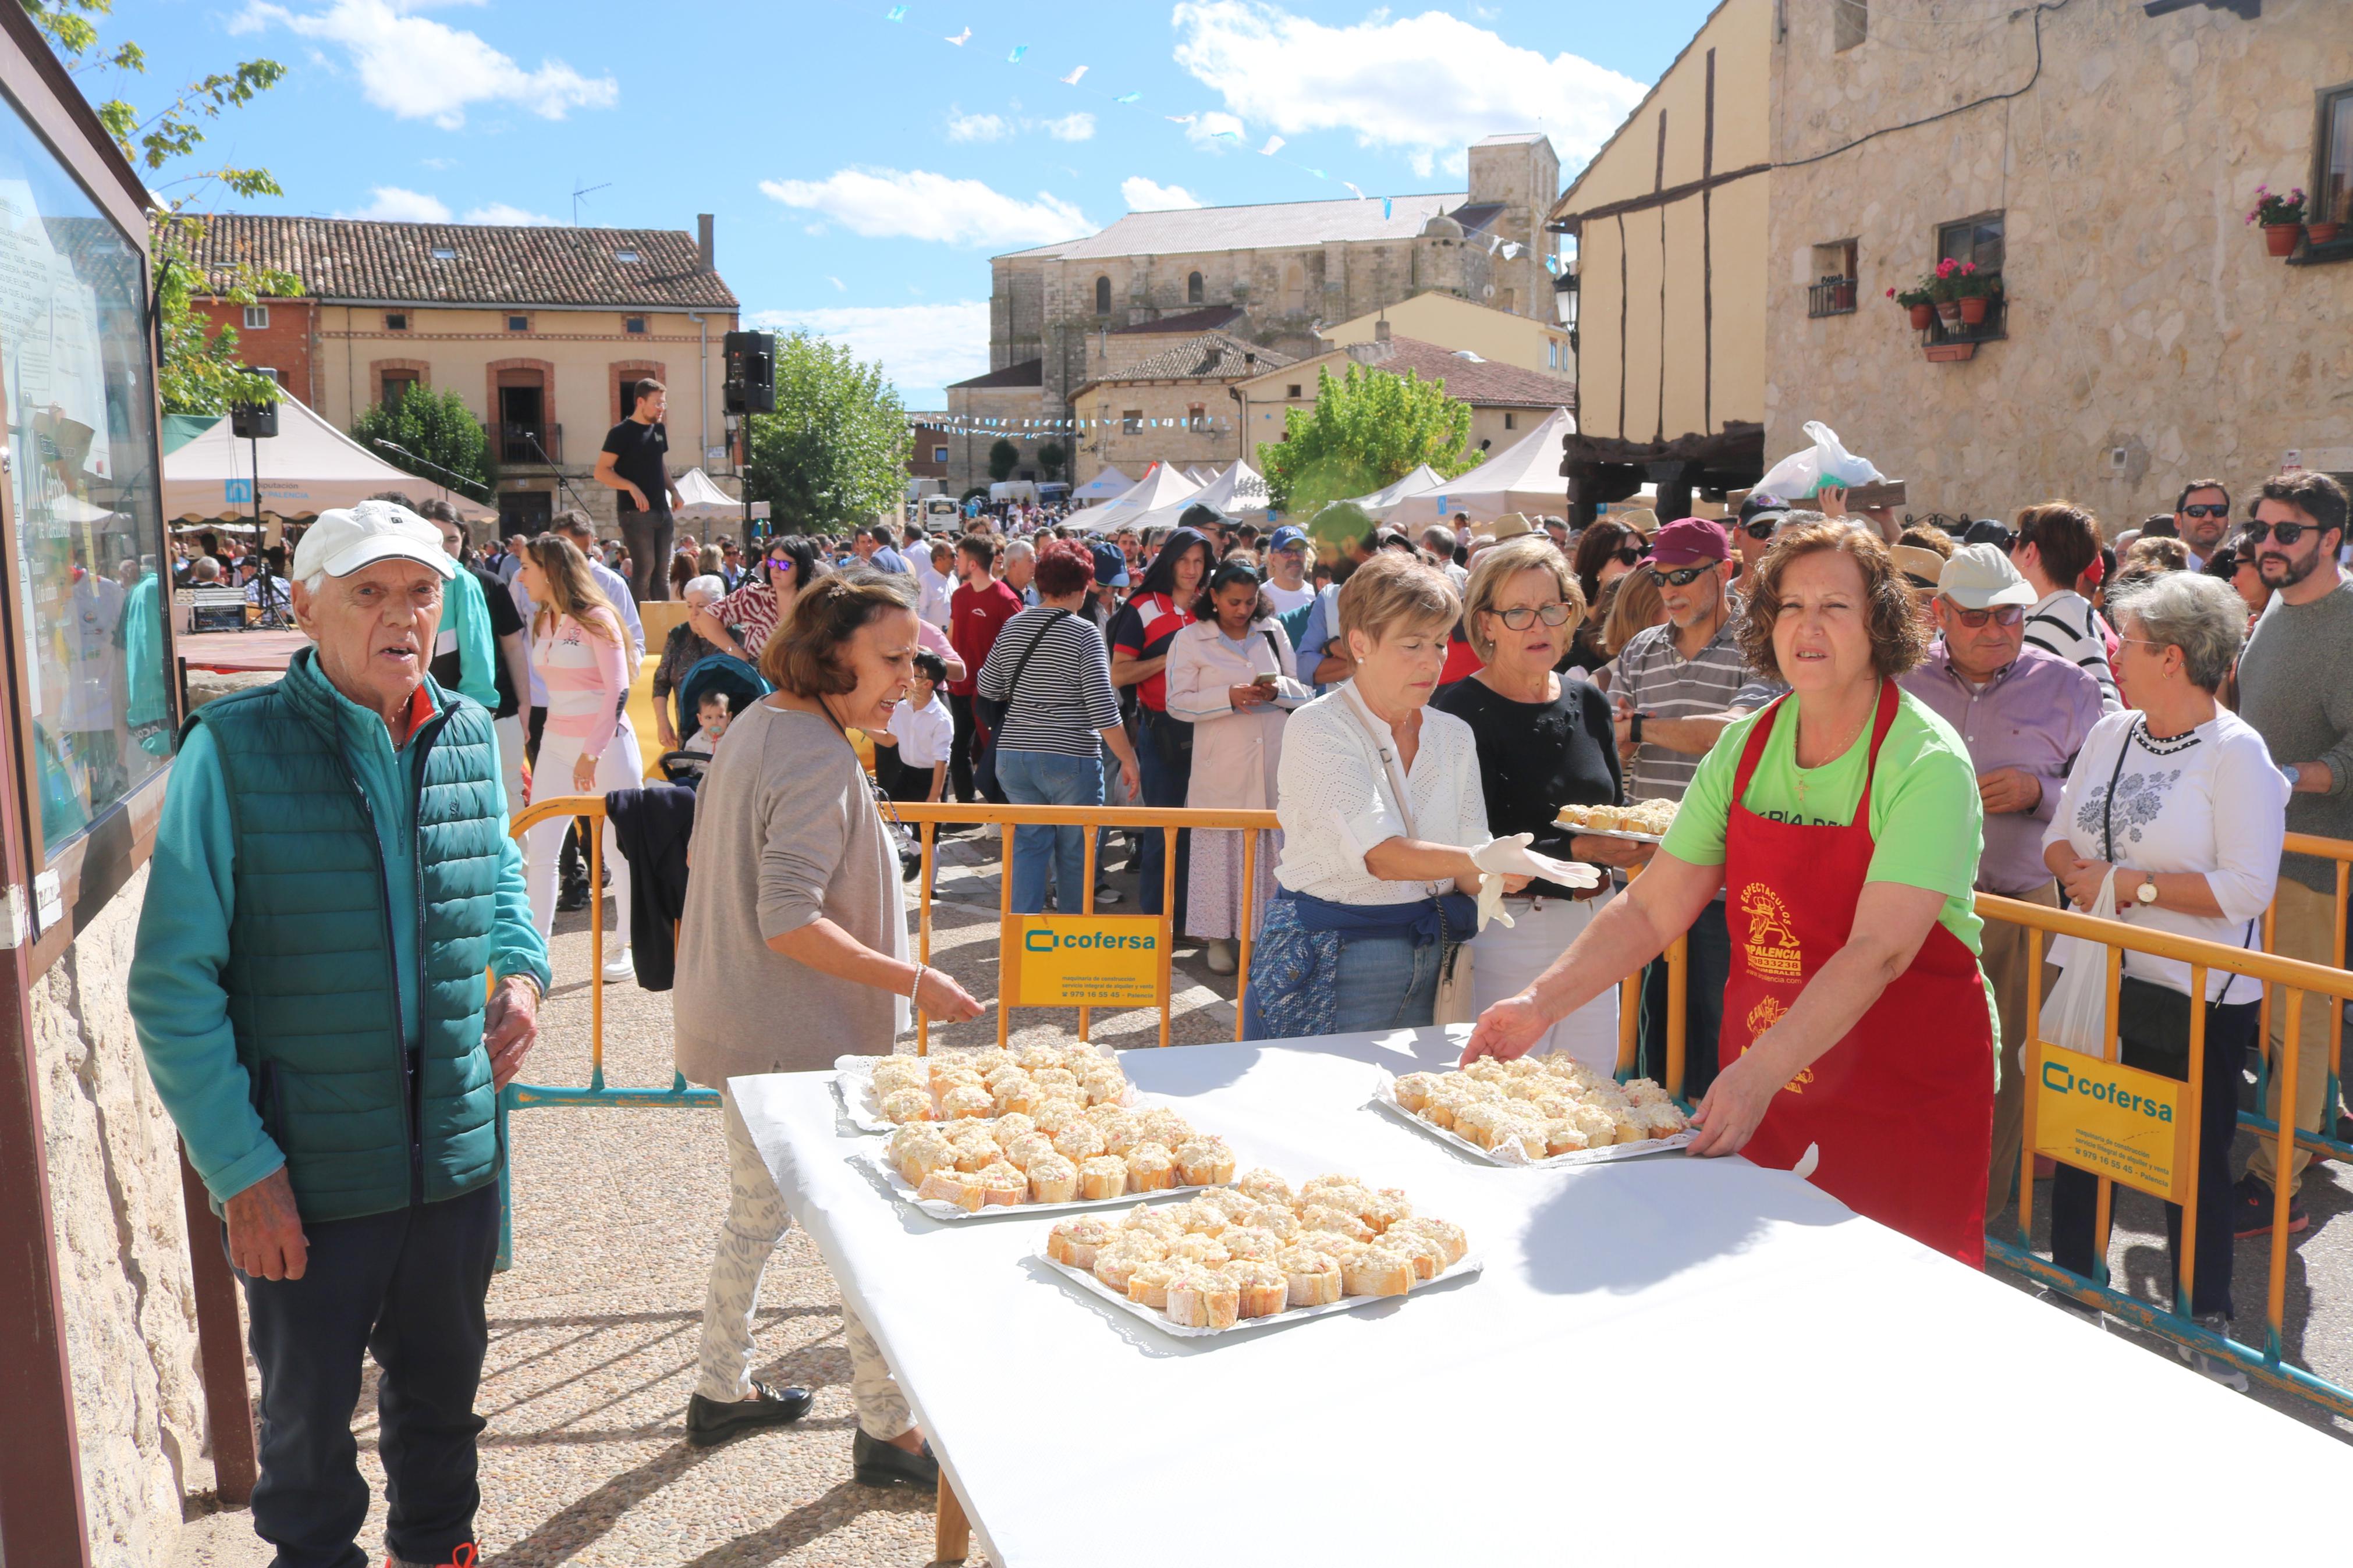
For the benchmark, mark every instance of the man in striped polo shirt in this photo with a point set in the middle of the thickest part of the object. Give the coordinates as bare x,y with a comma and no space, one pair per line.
1678,685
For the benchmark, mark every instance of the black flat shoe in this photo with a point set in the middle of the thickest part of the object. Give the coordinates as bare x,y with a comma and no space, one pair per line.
712,1421
874,1464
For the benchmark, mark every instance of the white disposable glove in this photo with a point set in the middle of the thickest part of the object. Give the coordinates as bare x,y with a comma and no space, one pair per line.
1500,857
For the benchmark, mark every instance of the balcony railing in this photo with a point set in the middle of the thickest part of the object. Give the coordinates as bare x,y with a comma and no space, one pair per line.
523,444
1831,297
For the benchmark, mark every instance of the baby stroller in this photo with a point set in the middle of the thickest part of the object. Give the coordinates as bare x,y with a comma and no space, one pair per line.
719,673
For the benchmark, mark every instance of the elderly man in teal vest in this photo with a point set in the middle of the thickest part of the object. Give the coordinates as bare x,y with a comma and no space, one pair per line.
332,881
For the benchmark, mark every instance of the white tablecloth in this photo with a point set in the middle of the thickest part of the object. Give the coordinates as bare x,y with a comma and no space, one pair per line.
1664,1357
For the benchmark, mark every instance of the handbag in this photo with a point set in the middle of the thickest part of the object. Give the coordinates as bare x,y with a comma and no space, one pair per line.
991,711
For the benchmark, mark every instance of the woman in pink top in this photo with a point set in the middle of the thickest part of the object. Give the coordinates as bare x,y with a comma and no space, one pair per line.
582,655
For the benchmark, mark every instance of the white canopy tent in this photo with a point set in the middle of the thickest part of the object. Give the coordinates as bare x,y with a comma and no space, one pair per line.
1525,478
700,500
308,468
1239,490
1376,504
1104,486
1161,487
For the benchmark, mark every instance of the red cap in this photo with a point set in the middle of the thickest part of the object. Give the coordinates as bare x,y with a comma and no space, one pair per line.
1687,541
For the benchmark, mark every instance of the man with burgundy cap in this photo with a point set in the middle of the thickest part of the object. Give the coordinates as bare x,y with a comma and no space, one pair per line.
1678,685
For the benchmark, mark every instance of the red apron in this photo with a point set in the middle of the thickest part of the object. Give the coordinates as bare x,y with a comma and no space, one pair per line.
1902,1109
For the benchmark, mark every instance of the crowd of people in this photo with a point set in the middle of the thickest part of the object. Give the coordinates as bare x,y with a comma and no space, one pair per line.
1863,725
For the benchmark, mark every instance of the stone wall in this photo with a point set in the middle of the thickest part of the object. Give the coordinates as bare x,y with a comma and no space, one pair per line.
2149,338
122,1246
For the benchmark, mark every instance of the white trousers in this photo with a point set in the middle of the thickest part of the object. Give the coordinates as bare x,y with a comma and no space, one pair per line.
756,1221
1504,958
512,734
619,768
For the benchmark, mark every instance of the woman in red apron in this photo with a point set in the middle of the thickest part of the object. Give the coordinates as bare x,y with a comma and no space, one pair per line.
1856,1024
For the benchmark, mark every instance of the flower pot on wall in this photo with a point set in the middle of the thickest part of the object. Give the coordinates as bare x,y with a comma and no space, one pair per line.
1949,313
2280,238
1973,310
1923,317
2322,233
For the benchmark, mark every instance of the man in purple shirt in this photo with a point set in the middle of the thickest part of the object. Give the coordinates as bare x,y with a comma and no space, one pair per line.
2025,714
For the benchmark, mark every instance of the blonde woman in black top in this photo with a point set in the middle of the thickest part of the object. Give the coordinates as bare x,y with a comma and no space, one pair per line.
1544,742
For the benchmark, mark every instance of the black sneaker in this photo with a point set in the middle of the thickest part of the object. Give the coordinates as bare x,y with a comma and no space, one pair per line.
713,1421
874,1464
2252,1205
574,897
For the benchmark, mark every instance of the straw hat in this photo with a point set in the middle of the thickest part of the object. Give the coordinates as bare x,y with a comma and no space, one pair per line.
1511,525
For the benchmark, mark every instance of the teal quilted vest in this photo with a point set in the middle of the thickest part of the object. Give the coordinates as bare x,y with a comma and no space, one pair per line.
311,993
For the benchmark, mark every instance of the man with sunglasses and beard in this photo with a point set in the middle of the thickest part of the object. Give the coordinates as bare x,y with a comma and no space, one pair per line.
2292,688
2024,713
2201,516
1678,685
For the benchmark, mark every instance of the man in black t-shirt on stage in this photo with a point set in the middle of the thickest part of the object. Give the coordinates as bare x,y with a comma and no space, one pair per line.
632,463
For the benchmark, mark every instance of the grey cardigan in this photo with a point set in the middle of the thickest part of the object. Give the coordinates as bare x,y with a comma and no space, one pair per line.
785,832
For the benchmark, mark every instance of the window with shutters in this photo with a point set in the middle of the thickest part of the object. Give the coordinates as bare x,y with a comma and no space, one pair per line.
1103,296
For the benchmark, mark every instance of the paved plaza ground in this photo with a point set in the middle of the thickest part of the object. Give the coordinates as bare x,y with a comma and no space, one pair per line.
593,1332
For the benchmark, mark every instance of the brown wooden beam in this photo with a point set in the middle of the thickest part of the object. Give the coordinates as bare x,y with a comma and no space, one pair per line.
1572,221
1739,444
220,1345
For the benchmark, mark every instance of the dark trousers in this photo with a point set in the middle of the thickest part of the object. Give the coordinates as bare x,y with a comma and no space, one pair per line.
967,745
2076,1194
1707,968
647,534
1165,783
407,1288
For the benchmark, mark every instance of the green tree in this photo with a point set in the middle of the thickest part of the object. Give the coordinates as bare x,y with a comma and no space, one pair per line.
201,373
433,428
1368,429
1052,460
1004,456
835,448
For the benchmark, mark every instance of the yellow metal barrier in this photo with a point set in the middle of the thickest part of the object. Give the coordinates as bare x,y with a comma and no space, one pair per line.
2324,1142
2297,978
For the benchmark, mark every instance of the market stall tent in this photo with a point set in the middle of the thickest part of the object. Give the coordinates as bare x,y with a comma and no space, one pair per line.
1378,503
1523,478
1241,488
1160,487
700,500
1104,486
307,467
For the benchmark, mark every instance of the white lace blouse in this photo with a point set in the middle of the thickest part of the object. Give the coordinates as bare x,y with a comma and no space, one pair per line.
1336,798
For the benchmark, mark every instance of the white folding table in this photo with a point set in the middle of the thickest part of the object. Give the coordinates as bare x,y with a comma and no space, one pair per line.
1663,1358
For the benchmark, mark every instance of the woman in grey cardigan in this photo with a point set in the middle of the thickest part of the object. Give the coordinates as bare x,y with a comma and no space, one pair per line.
793,950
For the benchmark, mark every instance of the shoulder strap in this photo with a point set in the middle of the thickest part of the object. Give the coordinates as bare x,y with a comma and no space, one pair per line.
1272,646
1014,684
1888,702
2108,806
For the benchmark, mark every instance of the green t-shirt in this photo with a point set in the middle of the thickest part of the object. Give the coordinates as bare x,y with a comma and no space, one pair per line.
1928,825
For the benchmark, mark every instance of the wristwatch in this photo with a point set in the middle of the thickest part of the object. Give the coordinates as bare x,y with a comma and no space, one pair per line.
1634,729
2147,893
2294,773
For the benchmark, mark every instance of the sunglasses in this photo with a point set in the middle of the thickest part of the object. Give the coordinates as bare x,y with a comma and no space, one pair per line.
2206,510
1762,526
1628,554
785,562
2001,615
1519,619
1683,576
2286,532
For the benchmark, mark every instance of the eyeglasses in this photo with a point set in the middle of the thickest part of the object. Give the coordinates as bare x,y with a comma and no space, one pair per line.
2286,532
1683,576
2206,510
1520,617
2001,615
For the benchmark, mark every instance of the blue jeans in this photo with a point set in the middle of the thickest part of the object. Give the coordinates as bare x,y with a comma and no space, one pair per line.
1164,784
1386,983
1049,778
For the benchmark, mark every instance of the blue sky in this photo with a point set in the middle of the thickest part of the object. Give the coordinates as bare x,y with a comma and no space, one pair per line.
864,169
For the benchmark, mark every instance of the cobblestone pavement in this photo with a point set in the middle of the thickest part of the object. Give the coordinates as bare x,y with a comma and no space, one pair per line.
594,1330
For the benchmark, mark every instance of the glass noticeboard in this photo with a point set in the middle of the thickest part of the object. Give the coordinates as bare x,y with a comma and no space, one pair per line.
79,454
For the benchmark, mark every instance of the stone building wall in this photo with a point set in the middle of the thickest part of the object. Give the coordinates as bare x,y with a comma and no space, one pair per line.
2149,338
122,1249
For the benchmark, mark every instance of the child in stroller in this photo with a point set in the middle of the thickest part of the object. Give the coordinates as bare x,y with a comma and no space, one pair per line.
733,682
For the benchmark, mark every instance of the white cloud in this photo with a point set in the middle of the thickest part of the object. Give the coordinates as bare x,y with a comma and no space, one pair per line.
1218,130
919,204
1078,127
500,212
839,286
1144,196
921,347
1427,85
394,204
422,69
977,127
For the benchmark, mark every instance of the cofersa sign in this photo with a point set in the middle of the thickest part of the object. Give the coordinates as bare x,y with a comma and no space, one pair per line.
1083,961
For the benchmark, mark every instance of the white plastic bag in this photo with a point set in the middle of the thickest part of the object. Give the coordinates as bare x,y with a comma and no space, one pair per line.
1800,475
2075,1014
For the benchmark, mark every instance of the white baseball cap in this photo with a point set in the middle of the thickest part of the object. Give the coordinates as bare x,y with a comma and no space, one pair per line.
1979,578
346,538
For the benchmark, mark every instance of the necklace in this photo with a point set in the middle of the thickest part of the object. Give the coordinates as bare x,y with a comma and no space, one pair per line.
2166,747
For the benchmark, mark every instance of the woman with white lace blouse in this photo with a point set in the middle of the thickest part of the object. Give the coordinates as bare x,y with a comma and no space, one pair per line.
2179,801
1381,809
